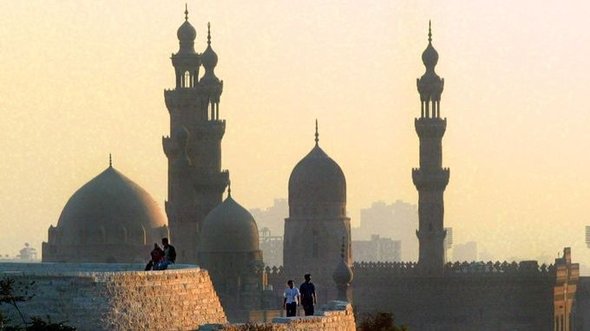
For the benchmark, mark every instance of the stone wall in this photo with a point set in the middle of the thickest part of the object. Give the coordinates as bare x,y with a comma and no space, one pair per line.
334,316
477,296
117,296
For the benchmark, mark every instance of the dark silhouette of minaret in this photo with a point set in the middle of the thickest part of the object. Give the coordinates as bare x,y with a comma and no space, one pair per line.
195,180
431,178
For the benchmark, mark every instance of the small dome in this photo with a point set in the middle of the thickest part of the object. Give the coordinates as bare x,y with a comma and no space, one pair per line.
229,228
186,33
343,274
209,58
430,56
317,179
111,201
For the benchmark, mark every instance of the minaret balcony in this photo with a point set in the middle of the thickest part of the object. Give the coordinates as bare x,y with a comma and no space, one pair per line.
211,180
182,98
430,127
430,179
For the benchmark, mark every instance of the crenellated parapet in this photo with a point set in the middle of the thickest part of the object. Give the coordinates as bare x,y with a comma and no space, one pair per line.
455,269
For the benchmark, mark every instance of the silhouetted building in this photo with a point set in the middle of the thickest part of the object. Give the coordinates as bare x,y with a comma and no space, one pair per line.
272,247
465,252
377,249
273,218
431,178
109,219
448,243
317,225
195,180
588,236
398,221
27,253
568,275
432,295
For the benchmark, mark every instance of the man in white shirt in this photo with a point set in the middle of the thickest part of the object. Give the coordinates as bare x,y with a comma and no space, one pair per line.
291,299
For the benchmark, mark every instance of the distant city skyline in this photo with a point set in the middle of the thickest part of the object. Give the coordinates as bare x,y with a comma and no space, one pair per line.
84,79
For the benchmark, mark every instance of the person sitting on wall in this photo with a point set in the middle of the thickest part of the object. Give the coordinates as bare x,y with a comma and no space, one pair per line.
291,299
169,255
157,255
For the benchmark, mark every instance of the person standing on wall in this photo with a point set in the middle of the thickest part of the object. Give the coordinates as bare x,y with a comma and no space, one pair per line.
291,299
308,298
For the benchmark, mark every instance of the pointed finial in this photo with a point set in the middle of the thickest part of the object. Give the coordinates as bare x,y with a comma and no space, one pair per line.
110,160
429,31
208,33
229,188
343,247
317,135
185,11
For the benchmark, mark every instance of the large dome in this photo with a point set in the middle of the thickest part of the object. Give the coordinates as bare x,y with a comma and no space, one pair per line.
317,180
111,201
229,228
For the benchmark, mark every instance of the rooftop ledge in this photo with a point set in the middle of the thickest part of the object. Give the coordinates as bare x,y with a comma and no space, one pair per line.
84,269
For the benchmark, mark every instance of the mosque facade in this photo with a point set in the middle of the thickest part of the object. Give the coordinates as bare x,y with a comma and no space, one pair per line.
112,219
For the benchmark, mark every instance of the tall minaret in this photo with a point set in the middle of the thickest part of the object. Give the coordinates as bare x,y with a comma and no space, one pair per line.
195,180
431,178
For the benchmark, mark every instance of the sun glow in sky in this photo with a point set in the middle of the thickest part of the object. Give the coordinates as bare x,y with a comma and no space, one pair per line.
82,79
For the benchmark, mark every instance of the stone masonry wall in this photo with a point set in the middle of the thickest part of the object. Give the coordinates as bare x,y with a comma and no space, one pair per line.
334,316
106,297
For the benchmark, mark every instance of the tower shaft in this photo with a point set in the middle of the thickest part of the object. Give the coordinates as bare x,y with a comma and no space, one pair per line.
196,181
430,178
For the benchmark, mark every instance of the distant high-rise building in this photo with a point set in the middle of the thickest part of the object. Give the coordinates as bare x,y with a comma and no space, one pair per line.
273,217
272,248
398,221
465,252
377,250
448,242
195,180
430,178
588,236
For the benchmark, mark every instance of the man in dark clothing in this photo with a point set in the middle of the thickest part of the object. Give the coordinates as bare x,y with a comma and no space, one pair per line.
157,256
308,298
169,255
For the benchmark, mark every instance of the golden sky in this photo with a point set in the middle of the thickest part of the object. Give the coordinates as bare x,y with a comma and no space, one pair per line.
82,79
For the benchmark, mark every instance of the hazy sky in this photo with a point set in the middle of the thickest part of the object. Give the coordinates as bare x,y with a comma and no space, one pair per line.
82,79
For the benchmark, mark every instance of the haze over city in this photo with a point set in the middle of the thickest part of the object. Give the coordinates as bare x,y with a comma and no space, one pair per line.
83,79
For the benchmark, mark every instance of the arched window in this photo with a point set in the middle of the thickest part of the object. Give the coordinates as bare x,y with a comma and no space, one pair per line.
187,79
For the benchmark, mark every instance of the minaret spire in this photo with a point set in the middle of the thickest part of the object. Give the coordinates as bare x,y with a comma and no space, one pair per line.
317,135
229,188
185,11
208,33
429,31
110,160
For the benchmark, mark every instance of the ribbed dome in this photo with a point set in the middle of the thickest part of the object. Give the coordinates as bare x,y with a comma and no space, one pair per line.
317,179
111,201
229,228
